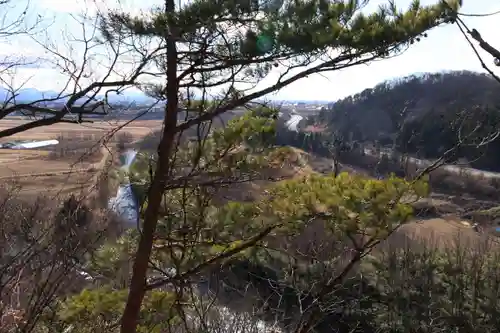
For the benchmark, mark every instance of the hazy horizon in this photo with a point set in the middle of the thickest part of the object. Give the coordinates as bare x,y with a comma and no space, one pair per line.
445,49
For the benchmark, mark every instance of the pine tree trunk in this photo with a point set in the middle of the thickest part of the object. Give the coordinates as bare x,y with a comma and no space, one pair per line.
155,195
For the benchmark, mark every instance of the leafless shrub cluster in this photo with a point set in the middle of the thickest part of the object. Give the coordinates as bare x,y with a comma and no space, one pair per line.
495,183
440,179
476,185
103,189
79,146
43,243
409,284
150,142
123,140
430,289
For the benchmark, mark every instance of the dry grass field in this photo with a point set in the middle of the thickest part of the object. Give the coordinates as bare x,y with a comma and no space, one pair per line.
444,229
138,129
74,170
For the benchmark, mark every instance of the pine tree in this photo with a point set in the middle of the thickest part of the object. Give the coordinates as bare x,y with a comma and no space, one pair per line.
226,47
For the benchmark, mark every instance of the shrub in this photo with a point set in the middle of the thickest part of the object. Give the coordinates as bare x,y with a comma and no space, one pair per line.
123,140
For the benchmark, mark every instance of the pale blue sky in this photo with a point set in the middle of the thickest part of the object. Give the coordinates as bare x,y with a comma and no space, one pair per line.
444,49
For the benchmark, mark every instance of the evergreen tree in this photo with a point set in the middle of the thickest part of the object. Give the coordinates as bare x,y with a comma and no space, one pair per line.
208,46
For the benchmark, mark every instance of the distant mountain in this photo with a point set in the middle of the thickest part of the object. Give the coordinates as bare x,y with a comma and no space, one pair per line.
129,96
32,94
27,94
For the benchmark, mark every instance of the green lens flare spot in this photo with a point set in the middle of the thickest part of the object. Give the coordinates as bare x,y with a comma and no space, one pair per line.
264,43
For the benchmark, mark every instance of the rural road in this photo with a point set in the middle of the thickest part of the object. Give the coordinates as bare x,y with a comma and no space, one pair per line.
456,169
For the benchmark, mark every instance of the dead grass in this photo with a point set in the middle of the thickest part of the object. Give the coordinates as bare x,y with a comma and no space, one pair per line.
52,177
73,166
24,168
8,156
440,227
137,129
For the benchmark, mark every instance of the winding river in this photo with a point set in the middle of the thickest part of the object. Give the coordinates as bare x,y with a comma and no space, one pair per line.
125,204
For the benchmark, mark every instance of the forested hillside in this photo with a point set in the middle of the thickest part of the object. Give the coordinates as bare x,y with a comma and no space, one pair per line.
425,115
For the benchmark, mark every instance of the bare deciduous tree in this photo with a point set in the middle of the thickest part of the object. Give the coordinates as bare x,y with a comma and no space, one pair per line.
91,68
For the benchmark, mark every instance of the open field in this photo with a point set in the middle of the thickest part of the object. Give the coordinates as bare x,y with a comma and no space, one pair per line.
8,156
444,229
35,174
57,185
137,129
62,169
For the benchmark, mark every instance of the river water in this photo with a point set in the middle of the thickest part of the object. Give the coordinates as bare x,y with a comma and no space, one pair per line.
125,204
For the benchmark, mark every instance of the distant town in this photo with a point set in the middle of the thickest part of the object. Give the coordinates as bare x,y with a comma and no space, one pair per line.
144,111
